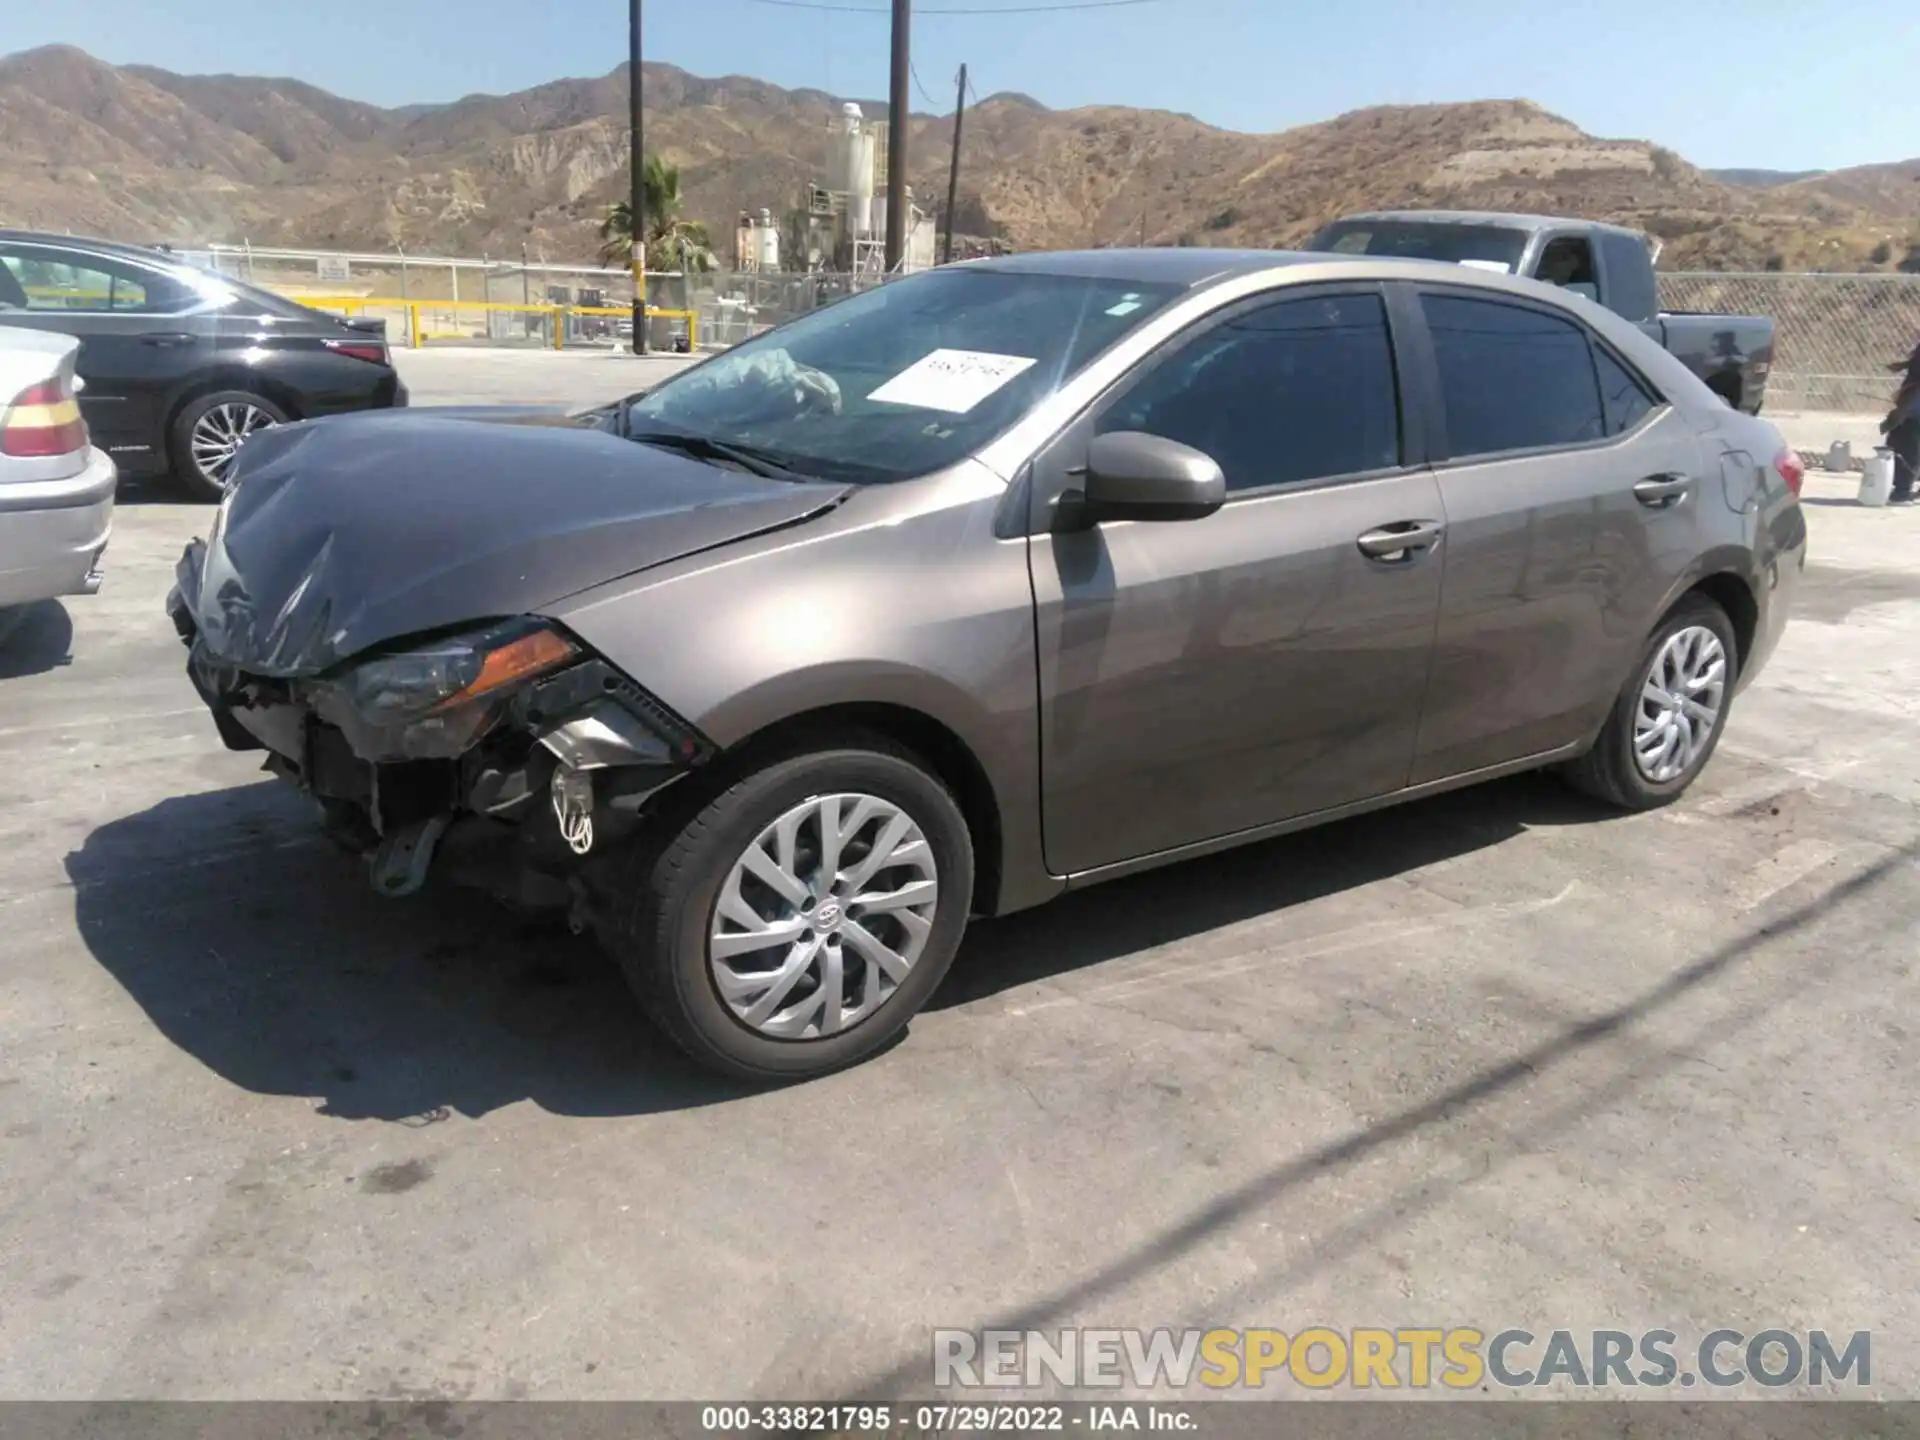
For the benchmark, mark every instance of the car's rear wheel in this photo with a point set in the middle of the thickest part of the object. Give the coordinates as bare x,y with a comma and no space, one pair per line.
207,433
1668,719
793,923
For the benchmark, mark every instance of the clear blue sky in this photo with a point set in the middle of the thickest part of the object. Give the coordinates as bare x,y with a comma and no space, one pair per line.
1782,84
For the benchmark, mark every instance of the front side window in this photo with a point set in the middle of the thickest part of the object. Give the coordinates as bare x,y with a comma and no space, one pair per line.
1512,378
1294,391
45,280
903,379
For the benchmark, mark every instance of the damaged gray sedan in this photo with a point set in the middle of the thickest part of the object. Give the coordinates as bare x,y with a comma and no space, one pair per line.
989,583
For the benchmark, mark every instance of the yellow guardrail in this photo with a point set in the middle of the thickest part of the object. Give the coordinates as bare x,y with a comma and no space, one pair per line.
413,309
416,336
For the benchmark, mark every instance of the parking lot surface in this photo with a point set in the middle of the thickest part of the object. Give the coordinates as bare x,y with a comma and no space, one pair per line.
1500,1058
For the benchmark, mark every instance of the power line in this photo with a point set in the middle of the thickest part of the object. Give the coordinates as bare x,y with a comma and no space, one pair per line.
959,10
924,95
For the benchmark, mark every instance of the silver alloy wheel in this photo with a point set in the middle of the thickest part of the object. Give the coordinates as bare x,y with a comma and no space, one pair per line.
217,436
1680,703
822,917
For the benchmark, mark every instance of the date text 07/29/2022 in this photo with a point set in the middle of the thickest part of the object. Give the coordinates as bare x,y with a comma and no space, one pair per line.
939,1418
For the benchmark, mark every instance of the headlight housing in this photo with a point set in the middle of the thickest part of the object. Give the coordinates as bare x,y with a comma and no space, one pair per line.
434,700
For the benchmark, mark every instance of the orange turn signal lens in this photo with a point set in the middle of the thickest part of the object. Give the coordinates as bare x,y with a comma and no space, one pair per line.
531,654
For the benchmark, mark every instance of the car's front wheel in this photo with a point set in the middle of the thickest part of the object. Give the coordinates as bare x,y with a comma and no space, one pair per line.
793,923
1668,719
207,433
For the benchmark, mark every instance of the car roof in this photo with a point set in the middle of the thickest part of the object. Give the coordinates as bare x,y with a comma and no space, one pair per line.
84,242
1188,266
1497,219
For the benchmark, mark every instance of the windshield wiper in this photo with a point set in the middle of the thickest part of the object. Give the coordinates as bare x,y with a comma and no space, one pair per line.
755,461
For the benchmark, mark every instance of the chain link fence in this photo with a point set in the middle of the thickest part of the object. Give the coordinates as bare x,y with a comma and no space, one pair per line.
1835,335
735,305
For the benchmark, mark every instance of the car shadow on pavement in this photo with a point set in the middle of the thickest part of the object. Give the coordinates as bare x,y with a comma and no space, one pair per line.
34,638
1162,906
261,951
1602,1039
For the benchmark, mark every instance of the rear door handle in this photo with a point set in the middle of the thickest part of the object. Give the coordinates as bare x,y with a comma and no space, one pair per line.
1399,542
1660,491
169,337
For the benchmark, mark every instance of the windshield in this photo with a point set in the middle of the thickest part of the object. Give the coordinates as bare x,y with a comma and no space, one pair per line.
1477,245
903,379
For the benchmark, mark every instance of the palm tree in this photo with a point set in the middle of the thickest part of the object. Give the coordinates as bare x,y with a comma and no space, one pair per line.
668,235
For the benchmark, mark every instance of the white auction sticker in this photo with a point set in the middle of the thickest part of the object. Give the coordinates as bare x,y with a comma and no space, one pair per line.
951,380
1498,267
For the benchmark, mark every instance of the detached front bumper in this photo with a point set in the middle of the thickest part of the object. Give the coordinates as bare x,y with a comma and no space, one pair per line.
558,772
53,533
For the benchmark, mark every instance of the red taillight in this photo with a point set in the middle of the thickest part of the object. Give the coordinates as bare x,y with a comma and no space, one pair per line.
359,350
1792,469
43,420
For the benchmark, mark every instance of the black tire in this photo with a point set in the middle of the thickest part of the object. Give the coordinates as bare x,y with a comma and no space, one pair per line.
670,882
187,471
1609,771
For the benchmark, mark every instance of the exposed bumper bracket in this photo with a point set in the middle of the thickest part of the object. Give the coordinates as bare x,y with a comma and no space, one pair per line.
399,865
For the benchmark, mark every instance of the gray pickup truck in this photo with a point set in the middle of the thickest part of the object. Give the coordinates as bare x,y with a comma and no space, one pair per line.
1610,265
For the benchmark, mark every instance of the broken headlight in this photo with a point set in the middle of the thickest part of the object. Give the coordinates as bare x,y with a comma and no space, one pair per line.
433,701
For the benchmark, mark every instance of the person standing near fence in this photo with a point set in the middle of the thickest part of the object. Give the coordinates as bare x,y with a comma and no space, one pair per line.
1902,428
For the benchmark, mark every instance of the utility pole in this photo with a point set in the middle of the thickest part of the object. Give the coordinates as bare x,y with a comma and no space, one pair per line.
953,170
637,190
897,103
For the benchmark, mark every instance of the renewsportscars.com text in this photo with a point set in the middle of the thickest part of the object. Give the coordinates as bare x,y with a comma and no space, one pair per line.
1456,1358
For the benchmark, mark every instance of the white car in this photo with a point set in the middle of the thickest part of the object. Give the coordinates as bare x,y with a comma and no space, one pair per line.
56,489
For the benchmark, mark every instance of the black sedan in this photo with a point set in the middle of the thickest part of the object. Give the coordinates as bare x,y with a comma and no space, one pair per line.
180,365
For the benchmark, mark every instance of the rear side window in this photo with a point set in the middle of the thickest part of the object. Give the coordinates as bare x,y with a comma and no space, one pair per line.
54,280
1299,390
1512,378
1625,399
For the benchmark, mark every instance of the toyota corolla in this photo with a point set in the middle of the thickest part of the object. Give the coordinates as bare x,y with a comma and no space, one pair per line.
986,584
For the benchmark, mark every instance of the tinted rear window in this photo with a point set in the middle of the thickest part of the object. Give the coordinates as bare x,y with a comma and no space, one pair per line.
1627,401
1512,378
1488,245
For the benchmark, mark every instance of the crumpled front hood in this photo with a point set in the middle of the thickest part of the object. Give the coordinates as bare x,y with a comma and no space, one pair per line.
342,535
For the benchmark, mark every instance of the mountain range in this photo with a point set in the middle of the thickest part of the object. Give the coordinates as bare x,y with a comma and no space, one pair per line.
137,153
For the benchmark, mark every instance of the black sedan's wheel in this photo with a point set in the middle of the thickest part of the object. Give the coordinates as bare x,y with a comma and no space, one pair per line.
207,433
797,921
1669,718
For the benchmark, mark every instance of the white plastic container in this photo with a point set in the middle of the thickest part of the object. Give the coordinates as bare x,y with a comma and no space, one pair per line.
1876,481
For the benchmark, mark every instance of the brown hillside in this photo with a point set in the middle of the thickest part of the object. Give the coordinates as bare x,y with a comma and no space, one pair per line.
139,153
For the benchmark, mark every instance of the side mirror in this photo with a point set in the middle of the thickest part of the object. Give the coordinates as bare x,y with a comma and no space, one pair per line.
1131,475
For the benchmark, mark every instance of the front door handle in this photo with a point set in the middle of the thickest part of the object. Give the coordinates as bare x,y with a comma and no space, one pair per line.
1399,542
1660,491
166,338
